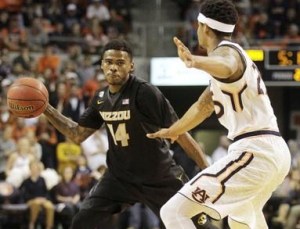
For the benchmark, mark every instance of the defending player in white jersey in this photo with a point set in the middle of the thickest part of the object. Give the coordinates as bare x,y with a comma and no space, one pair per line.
239,184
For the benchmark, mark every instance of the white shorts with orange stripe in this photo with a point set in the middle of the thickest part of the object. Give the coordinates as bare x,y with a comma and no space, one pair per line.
239,184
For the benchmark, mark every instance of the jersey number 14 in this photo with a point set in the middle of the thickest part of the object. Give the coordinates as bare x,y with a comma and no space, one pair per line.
120,135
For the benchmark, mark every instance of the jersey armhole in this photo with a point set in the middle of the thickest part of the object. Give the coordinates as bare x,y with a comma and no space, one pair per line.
244,62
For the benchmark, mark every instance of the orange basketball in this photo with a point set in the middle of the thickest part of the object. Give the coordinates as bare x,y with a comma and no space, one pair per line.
27,97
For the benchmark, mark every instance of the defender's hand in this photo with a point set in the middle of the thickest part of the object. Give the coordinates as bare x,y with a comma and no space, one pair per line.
163,133
183,53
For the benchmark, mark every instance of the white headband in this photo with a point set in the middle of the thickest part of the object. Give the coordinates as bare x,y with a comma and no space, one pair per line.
220,26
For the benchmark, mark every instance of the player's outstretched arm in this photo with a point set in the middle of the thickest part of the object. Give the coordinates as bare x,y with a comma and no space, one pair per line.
195,115
223,62
66,126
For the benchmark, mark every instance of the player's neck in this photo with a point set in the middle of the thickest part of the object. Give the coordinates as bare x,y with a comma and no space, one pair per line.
113,89
214,42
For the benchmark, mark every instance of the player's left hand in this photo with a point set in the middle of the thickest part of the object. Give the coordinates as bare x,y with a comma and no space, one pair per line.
163,133
184,53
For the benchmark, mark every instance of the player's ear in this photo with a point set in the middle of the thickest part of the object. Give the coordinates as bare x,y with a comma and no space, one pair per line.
101,65
131,67
206,29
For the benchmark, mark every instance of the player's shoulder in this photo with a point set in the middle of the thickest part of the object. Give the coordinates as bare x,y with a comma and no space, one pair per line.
142,85
138,81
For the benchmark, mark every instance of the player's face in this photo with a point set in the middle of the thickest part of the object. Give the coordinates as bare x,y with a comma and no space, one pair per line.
201,34
116,66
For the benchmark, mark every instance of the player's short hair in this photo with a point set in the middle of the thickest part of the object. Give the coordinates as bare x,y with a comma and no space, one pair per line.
220,10
118,44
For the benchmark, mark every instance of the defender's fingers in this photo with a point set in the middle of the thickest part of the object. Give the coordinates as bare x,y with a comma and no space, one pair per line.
178,42
152,135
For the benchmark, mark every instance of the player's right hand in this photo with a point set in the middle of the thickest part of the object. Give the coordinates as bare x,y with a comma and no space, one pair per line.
163,133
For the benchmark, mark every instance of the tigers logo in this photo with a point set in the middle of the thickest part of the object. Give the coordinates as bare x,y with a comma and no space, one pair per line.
202,219
200,195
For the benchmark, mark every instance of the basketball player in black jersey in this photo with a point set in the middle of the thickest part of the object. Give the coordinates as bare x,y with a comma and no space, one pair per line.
139,169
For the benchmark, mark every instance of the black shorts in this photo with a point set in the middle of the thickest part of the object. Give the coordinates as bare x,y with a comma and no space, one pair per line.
112,195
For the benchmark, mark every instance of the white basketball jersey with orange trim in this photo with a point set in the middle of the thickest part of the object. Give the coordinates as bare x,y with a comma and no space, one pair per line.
243,106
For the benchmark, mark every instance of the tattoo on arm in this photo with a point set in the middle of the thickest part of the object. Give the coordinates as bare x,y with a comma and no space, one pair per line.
205,103
66,126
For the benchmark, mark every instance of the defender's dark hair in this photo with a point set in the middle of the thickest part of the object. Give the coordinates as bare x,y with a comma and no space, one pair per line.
220,10
117,44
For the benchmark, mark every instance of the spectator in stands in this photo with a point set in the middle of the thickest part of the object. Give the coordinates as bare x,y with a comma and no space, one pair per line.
142,216
19,129
47,137
189,35
6,117
118,22
14,36
30,10
277,14
4,19
53,11
291,16
294,213
48,60
81,6
75,105
124,7
35,146
94,148
5,61
67,155
24,58
97,9
91,85
244,7
277,207
263,27
183,6
295,153
192,11
7,146
71,17
9,194
292,36
85,69
184,161
67,195
96,38
289,209
83,177
56,34
76,34
222,148
36,35
74,54
58,96
17,166
50,79
37,197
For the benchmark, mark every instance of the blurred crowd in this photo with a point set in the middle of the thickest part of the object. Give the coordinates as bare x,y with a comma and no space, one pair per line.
261,23
56,41
87,23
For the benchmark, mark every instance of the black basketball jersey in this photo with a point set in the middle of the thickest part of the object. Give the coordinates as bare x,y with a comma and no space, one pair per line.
139,108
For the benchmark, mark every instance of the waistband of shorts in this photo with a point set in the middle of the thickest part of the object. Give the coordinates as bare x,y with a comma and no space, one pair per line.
256,133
